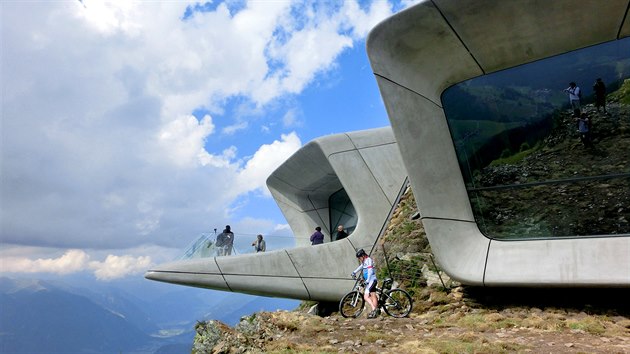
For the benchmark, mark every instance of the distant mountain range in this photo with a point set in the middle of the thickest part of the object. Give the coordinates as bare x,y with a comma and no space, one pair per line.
40,316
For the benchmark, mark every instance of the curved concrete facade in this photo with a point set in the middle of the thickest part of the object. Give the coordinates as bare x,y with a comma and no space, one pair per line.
367,164
415,56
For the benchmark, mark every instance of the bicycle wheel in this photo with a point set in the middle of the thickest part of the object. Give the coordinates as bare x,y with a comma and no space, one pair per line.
352,304
398,303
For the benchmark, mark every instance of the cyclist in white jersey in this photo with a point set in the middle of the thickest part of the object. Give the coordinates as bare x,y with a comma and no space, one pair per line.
369,275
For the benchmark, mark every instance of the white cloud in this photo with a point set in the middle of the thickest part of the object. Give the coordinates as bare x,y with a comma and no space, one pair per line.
114,267
232,129
99,147
182,140
362,22
291,119
70,262
266,160
282,229
109,17
26,260
409,3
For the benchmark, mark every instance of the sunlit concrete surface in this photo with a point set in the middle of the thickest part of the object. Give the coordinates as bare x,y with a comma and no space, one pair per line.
417,54
367,164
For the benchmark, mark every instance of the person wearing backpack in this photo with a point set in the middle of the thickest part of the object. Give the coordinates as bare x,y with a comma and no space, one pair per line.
575,94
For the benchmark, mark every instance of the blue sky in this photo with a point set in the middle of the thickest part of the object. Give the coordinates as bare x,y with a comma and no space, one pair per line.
129,128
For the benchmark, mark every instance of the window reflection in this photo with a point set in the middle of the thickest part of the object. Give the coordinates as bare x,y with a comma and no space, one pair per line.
570,208
529,167
341,212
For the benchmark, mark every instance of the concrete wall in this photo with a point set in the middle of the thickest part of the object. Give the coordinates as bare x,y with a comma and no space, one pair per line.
367,164
417,54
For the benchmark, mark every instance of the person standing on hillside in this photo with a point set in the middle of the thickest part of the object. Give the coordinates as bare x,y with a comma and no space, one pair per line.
584,128
317,238
341,233
574,96
600,95
369,275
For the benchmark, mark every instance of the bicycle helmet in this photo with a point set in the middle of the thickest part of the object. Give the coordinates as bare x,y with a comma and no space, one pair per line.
361,253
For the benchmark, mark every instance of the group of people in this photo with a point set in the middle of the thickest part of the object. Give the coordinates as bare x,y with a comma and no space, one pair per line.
317,238
584,123
575,95
225,242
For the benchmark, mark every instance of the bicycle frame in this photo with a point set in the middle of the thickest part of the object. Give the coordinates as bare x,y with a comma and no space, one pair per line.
359,287
395,302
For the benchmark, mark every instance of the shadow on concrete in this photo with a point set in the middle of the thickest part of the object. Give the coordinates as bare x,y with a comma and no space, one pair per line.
610,301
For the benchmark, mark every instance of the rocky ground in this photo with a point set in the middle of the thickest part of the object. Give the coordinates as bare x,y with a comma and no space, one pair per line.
466,320
447,317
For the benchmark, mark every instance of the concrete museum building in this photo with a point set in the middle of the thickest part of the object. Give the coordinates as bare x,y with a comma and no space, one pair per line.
508,196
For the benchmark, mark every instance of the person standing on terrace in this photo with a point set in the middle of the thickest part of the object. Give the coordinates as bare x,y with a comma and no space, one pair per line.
317,238
225,242
229,240
341,233
259,244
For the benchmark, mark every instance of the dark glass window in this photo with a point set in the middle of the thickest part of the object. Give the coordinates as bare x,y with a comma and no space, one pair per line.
531,167
341,212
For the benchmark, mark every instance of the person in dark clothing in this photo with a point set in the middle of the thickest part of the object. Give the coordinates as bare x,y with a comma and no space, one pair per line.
600,94
229,241
341,233
317,238
225,242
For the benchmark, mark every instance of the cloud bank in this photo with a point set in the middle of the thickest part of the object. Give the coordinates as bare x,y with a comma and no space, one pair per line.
100,146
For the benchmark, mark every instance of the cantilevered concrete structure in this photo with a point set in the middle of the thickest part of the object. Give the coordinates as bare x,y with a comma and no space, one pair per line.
420,52
416,55
364,164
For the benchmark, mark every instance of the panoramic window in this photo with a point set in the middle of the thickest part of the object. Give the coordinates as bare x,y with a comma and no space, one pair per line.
341,212
541,159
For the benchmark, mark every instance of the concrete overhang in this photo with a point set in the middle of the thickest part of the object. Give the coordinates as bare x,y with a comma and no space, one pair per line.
367,165
421,51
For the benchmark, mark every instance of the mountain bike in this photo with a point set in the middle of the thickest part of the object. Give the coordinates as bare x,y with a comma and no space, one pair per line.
396,302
